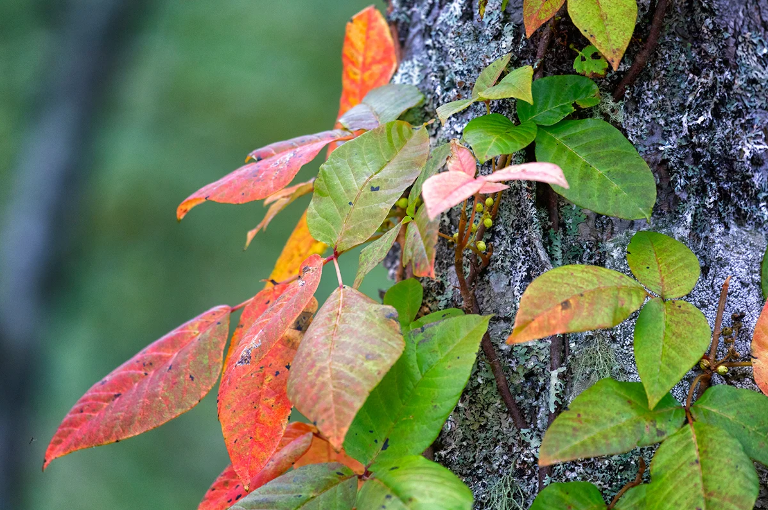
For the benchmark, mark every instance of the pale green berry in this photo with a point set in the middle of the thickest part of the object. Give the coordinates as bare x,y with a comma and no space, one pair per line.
402,203
488,222
722,370
479,207
488,202
481,246
474,227
704,364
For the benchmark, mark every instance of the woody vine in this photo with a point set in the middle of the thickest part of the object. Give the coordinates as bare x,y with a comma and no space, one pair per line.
377,381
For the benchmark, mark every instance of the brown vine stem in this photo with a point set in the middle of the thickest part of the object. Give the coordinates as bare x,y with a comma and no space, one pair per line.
541,50
634,483
716,334
645,53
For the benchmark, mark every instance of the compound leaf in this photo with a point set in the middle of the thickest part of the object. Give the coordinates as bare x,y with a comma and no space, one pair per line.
516,84
413,483
688,472
553,98
420,244
494,134
361,180
167,378
405,297
575,298
663,264
760,351
369,57
346,351
253,405
381,105
538,12
608,418
607,24
606,173
330,486
740,412
227,488
406,411
570,495
670,338
276,165
374,253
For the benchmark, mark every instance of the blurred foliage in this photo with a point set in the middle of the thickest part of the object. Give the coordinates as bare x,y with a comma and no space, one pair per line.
197,85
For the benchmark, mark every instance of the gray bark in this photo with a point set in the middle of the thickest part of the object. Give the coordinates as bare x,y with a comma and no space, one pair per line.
698,114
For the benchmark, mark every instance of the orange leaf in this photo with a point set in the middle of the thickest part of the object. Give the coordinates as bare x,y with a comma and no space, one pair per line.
227,489
253,405
260,179
321,452
760,351
164,380
538,12
369,58
299,246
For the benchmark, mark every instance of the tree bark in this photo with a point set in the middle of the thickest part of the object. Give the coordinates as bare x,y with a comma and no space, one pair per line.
697,113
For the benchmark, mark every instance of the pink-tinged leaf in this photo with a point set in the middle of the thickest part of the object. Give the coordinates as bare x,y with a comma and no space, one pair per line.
420,242
260,179
227,489
492,187
445,190
280,201
164,380
346,351
540,172
253,406
760,351
461,160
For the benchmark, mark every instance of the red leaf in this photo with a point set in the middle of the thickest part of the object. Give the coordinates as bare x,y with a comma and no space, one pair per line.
227,489
541,172
261,179
760,351
253,405
164,380
369,57
420,242
443,191
461,160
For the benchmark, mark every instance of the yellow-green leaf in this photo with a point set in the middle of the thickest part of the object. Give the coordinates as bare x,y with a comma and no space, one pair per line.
516,84
608,24
608,418
575,298
485,80
494,134
570,496
361,180
670,338
374,253
664,265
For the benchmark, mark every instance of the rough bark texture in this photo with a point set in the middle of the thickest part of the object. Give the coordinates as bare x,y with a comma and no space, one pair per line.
698,114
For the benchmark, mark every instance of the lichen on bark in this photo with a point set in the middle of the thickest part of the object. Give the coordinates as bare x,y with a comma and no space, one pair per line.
698,114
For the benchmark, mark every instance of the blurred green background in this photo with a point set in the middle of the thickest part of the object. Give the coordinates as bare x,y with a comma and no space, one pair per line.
187,90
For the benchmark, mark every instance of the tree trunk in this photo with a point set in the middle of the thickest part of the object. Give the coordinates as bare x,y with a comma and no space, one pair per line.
698,114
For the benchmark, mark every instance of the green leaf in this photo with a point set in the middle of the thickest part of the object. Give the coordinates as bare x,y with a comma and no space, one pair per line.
571,496
436,317
494,134
608,418
330,486
607,24
381,105
361,180
420,244
587,65
352,342
516,84
664,265
605,172
435,162
405,297
374,253
701,467
764,275
740,412
575,298
406,411
553,98
413,483
633,499
670,338
485,80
